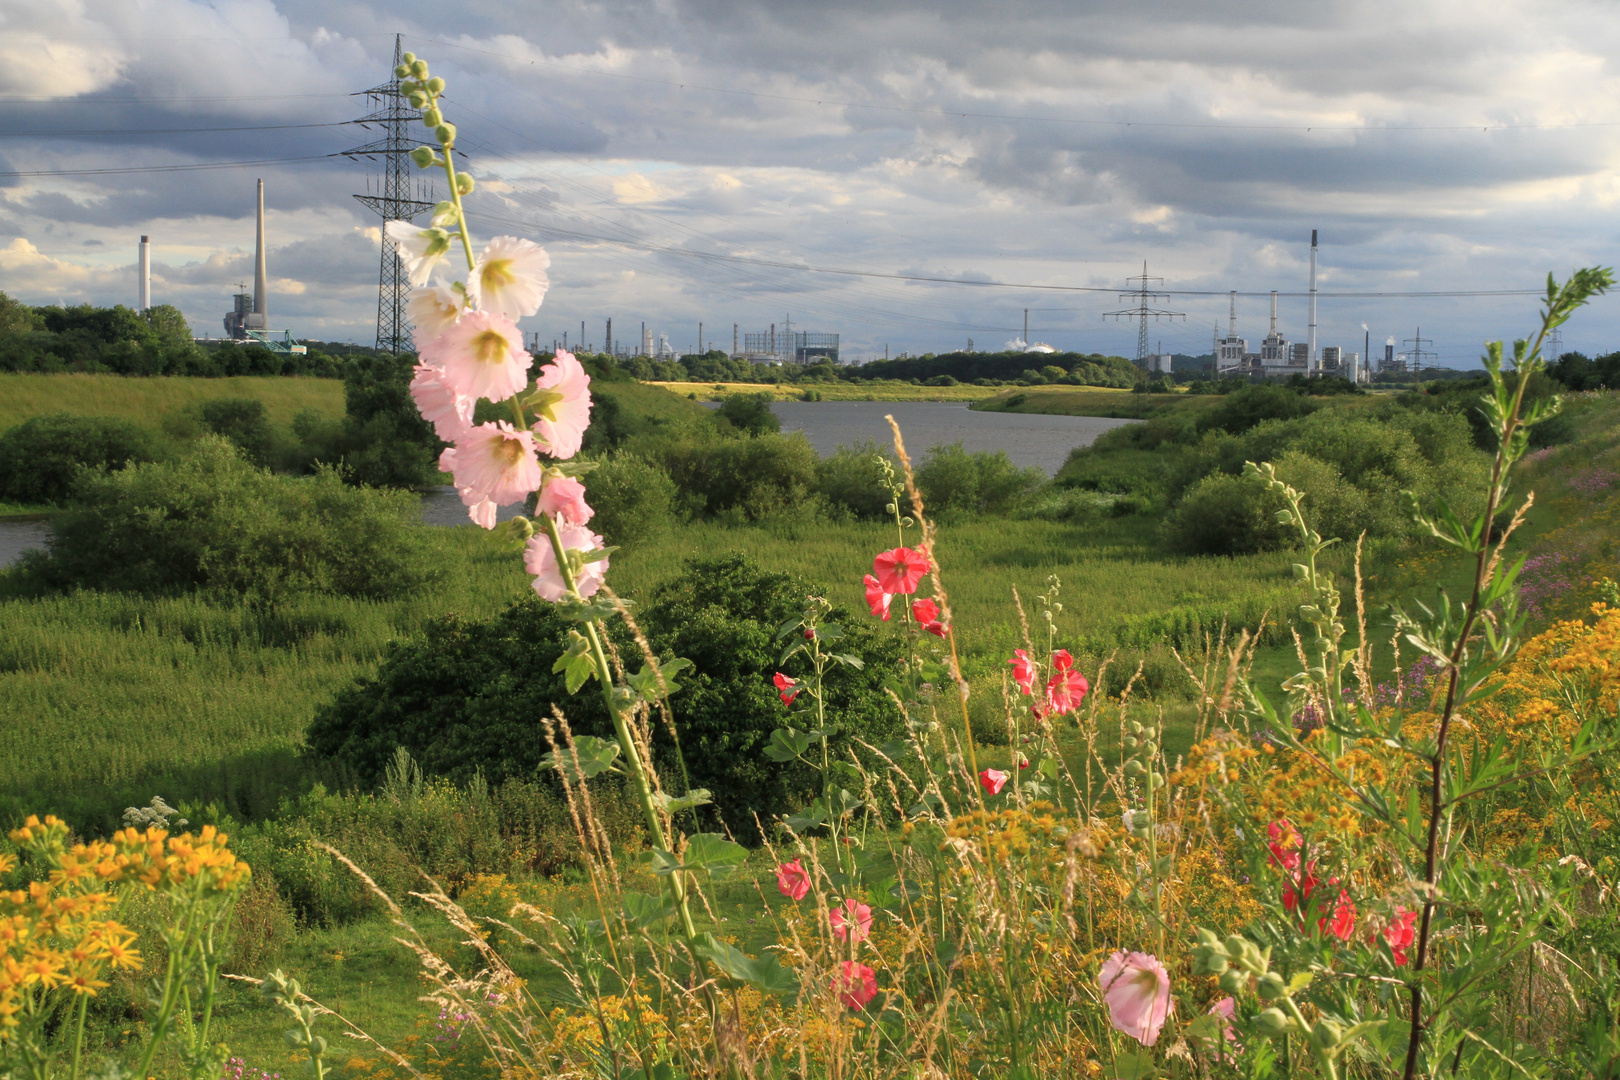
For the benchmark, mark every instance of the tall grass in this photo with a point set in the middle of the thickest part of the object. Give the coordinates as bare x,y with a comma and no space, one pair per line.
148,400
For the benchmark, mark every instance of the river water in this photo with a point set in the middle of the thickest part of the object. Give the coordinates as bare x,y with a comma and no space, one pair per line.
1030,440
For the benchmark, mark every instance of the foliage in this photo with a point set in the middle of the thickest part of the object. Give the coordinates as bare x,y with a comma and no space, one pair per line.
750,413
244,422
382,441
212,521
1226,515
742,479
43,458
1077,369
634,499
956,481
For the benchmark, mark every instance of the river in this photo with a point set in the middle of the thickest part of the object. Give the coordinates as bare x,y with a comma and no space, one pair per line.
1030,440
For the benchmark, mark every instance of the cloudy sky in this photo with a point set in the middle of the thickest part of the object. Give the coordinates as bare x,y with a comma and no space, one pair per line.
687,160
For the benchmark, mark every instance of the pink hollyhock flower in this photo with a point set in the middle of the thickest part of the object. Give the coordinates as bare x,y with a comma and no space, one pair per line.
1401,934
851,917
899,570
433,309
876,598
563,498
419,249
1284,841
856,984
784,688
541,561
792,880
1226,1009
927,613
481,356
450,413
1065,690
1341,922
494,461
1023,671
1137,989
562,405
993,780
509,277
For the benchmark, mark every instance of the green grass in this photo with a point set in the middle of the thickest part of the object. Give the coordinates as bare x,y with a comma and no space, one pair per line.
149,400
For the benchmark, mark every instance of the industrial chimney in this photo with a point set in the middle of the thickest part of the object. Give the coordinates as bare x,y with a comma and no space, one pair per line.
1310,363
143,280
260,319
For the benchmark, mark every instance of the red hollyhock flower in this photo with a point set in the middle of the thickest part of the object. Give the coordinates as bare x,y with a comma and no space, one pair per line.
1062,661
1283,845
993,780
1023,671
898,571
1304,886
876,598
793,880
784,688
927,613
1401,934
1341,922
856,984
1065,690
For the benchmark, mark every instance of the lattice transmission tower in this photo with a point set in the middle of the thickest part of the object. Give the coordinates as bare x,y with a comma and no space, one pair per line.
1143,311
394,196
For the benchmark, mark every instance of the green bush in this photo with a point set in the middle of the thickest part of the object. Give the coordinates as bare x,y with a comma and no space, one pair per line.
214,522
244,422
1249,406
749,479
1226,515
955,481
750,413
851,479
42,458
633,498
468,698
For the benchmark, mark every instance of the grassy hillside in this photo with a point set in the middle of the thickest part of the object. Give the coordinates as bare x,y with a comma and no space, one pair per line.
1091,401
149,400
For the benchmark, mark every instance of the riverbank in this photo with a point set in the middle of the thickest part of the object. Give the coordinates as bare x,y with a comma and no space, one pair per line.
875,390
151,400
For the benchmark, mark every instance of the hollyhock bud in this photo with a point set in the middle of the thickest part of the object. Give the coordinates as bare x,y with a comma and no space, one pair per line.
464,183
423,156
563,498
446,134
1136,988
430,117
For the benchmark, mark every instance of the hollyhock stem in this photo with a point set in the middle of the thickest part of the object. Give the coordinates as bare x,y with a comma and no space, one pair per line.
461,218
627,744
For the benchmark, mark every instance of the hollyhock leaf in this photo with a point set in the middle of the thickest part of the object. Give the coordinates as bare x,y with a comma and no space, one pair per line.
1048,768
596,756
646,681
792,626
787,744
714,853
843,802
848,660
643,911
809,819
672,804
575,664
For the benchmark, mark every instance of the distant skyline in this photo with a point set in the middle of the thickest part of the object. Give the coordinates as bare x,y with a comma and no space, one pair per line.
679,159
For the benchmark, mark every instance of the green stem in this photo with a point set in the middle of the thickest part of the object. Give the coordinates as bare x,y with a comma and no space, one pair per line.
455,196
621,728
78,1038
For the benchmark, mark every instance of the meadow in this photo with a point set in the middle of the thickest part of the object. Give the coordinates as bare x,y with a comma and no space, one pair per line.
151,400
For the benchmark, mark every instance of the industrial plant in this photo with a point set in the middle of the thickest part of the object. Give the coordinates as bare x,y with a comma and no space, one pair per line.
249,318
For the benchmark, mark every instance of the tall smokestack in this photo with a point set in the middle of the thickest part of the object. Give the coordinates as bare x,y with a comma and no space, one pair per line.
143,277
1231,331
1310,364
261,291
1273,312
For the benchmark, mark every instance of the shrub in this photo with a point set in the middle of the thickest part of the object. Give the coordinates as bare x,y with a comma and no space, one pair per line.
953,480
1226,515
633,498
941,380
751,413
244,422
746,478
466,699
851,479
42,458
1249,406
212,521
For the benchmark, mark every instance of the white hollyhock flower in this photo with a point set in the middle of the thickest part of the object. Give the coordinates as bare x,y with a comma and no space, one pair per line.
509,277
433,309
419,249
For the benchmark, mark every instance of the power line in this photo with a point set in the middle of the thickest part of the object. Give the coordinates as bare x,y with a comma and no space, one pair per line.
199,166
972,114
159,131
